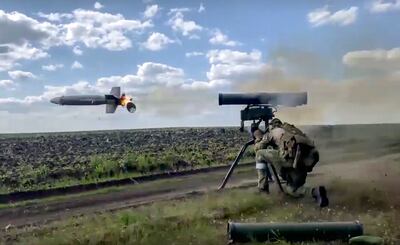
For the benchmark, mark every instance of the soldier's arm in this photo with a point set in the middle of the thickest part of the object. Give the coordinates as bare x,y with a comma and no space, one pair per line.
262,143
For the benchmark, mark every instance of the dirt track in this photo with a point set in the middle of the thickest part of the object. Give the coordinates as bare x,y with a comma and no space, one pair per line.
342,157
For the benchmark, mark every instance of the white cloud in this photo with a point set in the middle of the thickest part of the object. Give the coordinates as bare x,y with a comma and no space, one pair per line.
17,28
10,54
193,54
219,38
96,29
24,38
381,6
157,41
77,50
92,28
375,59
148,76
76,65
234,66
98,5
52,67
227,56
202,85
178,10
21,75
201,8
179,24
323,16
7,84
55,17
79,88
151,11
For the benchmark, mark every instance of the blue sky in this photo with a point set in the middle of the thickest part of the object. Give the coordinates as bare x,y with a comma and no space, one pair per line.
174,57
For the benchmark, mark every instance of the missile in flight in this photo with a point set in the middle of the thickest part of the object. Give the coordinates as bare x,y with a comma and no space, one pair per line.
112,100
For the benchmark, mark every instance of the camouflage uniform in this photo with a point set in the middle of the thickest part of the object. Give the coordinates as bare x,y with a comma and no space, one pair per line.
271,149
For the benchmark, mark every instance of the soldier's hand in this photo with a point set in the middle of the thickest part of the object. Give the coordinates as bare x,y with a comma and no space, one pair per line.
258,134
254,127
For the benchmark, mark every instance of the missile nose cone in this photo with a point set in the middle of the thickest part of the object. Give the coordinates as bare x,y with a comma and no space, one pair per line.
56,100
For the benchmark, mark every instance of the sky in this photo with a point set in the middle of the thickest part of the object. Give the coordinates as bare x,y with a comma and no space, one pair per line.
174,57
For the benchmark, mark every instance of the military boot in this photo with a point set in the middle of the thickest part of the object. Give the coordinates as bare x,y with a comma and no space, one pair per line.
320,195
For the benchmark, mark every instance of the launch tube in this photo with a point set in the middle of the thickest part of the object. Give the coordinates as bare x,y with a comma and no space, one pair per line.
274,99
293,232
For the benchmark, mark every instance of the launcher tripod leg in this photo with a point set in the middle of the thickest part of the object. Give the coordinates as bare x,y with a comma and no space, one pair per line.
235,163
278,181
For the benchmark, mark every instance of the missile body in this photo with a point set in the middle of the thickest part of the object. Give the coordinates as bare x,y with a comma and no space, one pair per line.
80,100
112,100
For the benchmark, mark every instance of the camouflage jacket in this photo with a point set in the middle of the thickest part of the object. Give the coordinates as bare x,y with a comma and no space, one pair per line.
272,139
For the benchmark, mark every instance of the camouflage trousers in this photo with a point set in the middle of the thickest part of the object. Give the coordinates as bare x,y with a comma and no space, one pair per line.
264,176
295,179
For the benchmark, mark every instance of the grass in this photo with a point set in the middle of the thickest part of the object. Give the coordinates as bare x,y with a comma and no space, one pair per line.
202,220
150,186
109,167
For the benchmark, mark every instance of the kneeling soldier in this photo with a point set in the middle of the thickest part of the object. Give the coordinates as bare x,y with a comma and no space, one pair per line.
293,155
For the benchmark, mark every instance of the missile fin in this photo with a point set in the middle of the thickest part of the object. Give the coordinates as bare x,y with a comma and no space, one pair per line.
110,108
116,91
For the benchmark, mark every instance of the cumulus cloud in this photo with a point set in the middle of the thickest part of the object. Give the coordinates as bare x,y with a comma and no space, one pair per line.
79,88
77,50
193,54
231,66
14,104
52,67
187,28
151,11
323,16
10,54
381,6
24,38
227,56
76,65
202,85
21,75
219,38
7,84
173,11
92,28
95,29
157,41
55,17
98,5
373,59
17,28
148,76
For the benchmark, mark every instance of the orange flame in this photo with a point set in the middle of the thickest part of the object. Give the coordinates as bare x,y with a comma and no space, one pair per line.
124,100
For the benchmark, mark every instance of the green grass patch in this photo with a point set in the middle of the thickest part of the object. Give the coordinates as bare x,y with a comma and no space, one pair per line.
110,167
202,220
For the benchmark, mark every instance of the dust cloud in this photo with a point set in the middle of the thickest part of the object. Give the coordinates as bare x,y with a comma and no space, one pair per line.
352,99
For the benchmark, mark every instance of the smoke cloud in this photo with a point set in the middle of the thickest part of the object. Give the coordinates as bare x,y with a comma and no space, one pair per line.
357,97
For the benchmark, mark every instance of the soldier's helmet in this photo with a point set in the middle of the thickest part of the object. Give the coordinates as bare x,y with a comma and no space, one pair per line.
275,123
